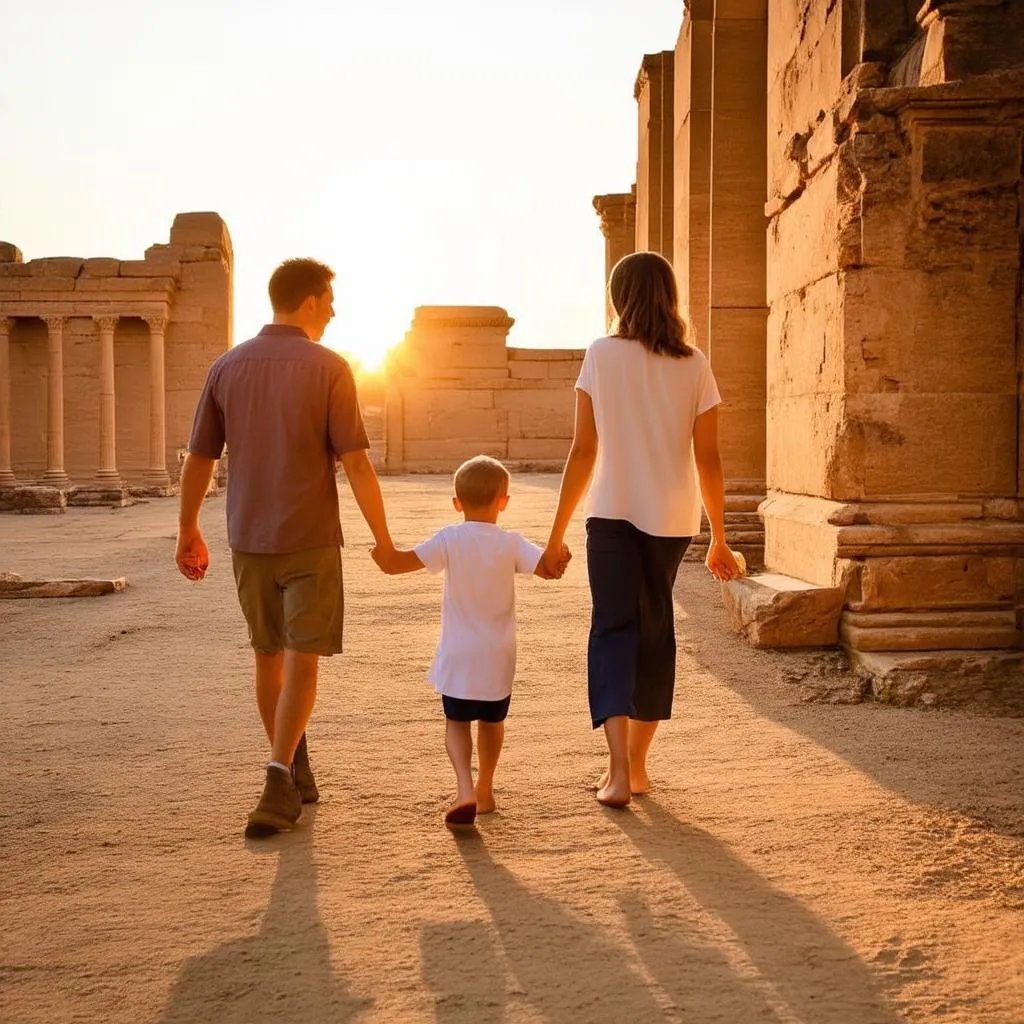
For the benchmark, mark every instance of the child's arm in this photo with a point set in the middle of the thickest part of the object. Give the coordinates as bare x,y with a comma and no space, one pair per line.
397,562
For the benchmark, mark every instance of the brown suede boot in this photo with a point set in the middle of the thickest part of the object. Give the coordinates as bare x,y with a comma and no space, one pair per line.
303,774
279,808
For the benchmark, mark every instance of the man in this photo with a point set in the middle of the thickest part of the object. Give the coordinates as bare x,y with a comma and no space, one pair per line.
286,408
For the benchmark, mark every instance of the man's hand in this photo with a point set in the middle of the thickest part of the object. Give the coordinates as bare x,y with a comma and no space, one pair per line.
384,556
192,555
553,562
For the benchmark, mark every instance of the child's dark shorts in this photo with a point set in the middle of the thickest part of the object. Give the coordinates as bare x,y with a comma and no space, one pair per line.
457,709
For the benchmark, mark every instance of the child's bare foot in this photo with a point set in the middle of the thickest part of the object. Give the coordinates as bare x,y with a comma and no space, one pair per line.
485,800
461,815
615,793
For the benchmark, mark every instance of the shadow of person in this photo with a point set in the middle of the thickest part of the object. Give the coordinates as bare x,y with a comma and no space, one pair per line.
803,970
693,972
565,967
464,968
283,971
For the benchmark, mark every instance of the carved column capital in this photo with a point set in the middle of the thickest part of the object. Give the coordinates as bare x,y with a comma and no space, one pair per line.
107,321
55,323
157,322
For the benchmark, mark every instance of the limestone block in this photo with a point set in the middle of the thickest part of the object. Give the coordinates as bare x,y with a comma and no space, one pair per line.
548,355
446,455
538,449
560,401
944,678
201,229
936,582
522,369
149,268
953,629
470,425
772,610
10,253
800,536
181,314
157,286
98,495
14,269
31,499
19,588
100,266
204,274
541,422
49,284
56,266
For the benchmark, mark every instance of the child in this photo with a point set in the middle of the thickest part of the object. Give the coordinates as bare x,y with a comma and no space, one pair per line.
476,656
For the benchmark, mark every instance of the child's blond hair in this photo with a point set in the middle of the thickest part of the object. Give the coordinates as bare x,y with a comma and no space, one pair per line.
481,480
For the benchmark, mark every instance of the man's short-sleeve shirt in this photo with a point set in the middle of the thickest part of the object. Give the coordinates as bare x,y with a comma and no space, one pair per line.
476,655
286,408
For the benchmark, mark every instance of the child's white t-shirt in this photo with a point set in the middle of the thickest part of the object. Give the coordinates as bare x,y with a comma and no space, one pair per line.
644,408
476,656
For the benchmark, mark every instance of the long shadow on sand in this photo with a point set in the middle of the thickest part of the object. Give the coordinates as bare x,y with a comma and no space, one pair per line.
980,773
463,967
283,972
569,969
794,962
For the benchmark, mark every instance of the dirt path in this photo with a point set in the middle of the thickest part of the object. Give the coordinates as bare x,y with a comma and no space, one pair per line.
800,862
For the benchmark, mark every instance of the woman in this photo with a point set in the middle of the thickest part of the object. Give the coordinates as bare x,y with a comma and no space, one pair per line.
645,400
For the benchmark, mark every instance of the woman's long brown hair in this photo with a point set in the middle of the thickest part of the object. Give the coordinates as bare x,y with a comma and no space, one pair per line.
645,298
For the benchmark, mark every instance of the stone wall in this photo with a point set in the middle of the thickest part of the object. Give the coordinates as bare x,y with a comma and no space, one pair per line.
102,362
456,390
894,277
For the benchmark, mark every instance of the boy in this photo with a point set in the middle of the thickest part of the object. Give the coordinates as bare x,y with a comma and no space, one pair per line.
476,656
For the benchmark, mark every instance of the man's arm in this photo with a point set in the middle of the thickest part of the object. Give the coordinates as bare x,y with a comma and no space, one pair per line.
366,489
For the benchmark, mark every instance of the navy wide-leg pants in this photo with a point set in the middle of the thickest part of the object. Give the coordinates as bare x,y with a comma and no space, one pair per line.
631,654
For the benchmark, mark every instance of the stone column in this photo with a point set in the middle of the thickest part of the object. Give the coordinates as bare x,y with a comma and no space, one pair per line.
157,476
107,473
738,242
7,478
618,225
55,476
654,93
691,238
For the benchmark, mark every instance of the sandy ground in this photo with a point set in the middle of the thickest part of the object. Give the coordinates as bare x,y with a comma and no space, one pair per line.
798,862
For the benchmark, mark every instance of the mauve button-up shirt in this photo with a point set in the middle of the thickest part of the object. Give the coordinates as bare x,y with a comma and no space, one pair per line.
286,408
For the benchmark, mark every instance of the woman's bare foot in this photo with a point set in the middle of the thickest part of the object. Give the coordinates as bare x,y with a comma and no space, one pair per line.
614,793
485,801
639,782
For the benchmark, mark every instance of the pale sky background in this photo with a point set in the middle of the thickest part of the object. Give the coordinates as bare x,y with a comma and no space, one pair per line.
434,152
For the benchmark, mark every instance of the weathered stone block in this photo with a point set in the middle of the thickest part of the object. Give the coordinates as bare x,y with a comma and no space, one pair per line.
148,268
773,610
56,266
32,500
201,229
780,611
10,253
936,582
538,449
523,370
100,266
204,273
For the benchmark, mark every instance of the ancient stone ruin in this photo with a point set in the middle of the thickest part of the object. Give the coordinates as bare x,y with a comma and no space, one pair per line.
101,364
839,187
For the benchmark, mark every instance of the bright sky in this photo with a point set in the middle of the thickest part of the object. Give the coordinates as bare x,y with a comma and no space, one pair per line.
434,152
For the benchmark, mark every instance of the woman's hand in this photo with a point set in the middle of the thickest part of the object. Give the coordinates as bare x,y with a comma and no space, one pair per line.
553,562
721,562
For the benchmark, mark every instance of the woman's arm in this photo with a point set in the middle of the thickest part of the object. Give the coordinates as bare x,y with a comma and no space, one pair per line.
575,476
720,560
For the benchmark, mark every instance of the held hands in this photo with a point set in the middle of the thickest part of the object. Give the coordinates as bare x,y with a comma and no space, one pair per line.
721,562
553,562
192,555
384,555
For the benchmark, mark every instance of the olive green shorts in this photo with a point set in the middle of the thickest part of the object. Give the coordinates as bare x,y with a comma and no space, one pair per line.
294,601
